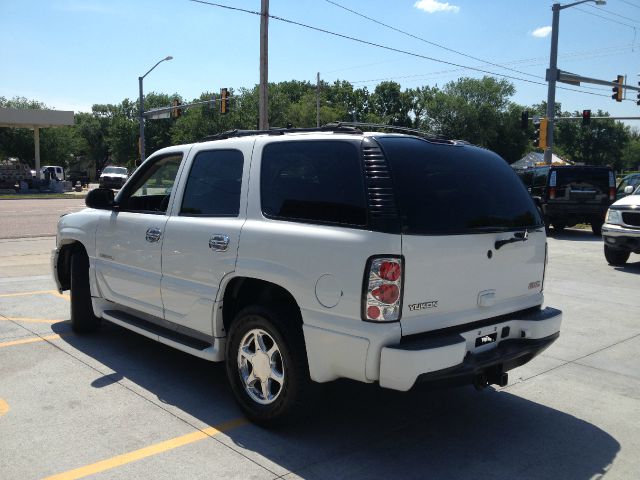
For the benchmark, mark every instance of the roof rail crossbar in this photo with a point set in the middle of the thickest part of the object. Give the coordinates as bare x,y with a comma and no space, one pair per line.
395,128
331,127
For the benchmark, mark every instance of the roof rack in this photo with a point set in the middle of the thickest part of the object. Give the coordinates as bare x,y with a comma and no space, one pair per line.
330,127
394,128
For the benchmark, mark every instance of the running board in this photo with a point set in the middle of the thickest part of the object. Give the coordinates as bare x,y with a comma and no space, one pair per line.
207,350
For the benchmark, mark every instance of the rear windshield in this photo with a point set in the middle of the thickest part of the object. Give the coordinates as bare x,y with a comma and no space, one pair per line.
445,189
115,170
597,178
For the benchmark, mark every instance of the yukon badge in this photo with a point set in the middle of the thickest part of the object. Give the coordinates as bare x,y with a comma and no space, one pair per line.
423,305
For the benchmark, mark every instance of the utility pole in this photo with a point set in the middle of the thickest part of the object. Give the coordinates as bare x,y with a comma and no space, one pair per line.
318,100
552,76
263,123
553,73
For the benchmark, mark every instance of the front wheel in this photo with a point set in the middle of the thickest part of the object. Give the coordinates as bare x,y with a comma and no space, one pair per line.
267,364
616,257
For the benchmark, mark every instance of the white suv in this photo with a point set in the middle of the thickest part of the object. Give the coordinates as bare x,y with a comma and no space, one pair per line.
298,256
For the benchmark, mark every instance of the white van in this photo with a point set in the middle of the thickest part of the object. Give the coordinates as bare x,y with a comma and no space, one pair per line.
53,170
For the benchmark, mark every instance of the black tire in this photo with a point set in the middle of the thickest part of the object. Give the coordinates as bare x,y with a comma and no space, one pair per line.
284,328
83,319
616,257
559,227
596,228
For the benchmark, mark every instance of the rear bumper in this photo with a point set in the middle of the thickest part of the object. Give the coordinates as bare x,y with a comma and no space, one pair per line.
456,358
578,211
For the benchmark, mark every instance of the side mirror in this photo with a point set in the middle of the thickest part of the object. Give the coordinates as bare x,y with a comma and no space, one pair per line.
628,190
100,198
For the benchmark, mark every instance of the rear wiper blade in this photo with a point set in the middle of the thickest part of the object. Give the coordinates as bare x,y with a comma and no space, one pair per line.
517,237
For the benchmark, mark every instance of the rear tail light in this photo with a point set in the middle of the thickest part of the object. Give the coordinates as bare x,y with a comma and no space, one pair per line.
382,295
612,186
552,193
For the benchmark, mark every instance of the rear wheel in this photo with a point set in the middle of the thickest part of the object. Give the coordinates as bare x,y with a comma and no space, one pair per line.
616,257
267,365
559,226
83,319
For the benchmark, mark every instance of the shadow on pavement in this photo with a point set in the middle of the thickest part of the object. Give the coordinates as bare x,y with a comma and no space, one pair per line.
630,266
575,235
361,431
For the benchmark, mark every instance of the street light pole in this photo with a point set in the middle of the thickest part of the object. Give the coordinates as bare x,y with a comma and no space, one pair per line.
552,72
141,107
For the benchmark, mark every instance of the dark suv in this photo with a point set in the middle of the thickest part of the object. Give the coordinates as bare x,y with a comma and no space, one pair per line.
569,195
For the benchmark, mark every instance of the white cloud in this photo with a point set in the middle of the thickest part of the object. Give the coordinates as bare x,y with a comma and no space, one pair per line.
541,32
433,6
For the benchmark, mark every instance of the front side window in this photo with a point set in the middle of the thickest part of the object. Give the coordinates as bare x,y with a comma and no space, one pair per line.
151,190
213,186
314,182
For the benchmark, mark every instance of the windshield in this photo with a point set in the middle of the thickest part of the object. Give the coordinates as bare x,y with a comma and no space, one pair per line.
445,189
116,170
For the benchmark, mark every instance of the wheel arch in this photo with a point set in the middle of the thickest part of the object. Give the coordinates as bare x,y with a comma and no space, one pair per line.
63,263
240,292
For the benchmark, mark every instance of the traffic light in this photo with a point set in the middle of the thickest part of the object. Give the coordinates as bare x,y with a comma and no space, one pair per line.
177,111
638,101
586,117
524,120
543,133
617,89
536,131
224,101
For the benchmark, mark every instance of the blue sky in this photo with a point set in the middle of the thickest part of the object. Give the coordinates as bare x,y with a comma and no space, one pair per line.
71,54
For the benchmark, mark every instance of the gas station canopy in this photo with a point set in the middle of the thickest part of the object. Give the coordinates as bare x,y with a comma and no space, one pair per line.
35,120
14,118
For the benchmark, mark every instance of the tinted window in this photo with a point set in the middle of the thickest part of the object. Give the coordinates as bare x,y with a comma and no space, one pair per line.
597,178
540,177
213,186
315,181
445,189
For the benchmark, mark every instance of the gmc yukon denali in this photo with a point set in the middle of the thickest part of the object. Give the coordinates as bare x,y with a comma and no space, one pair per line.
299,256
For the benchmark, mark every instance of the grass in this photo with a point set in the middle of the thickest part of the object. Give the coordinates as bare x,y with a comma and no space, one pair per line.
34,196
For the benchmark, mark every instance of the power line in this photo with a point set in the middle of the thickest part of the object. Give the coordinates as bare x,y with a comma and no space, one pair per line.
609,12
385,47
629,3
580,9
416,37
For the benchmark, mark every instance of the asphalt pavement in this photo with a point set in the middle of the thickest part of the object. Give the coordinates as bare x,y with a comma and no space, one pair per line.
116,405
34,217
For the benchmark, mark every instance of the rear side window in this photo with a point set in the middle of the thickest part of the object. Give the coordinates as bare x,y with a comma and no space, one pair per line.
313,181
213,186
445,189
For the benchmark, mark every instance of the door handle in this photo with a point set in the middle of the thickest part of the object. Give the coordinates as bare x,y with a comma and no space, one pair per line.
219,242
153,234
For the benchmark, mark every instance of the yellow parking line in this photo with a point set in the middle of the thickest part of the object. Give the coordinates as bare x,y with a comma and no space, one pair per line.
29,320
38,292
55,293
22,341
4,407
149,451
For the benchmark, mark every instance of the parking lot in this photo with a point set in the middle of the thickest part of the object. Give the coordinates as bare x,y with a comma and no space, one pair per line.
116,405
